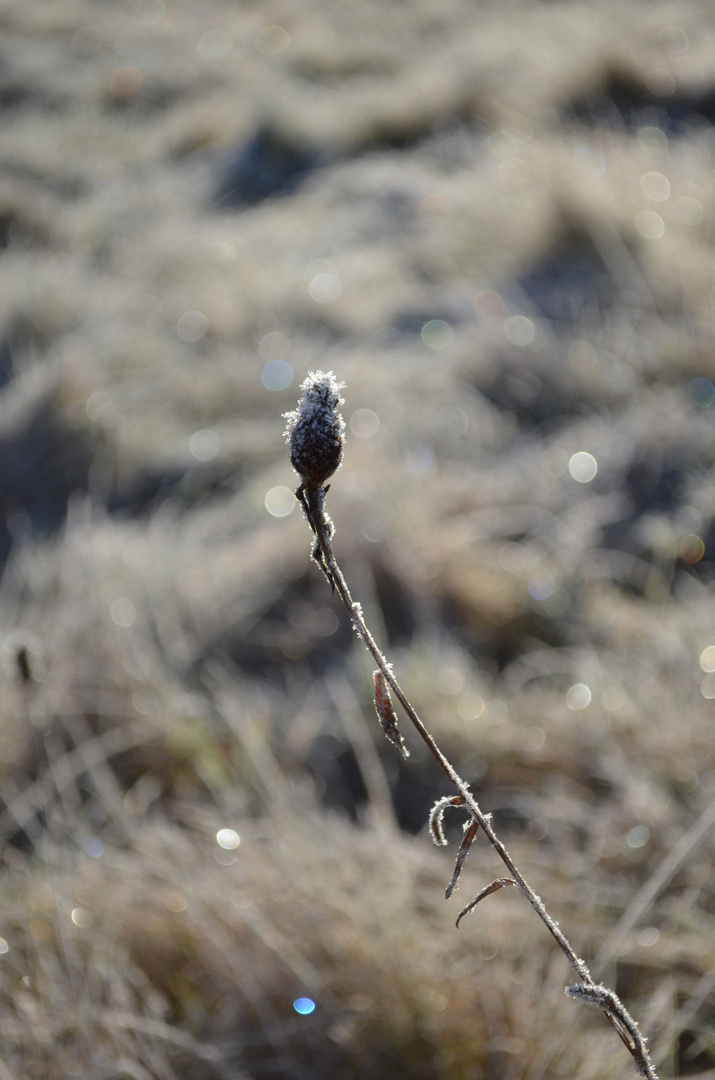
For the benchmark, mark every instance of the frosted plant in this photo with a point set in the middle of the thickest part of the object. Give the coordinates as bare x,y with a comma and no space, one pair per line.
315,434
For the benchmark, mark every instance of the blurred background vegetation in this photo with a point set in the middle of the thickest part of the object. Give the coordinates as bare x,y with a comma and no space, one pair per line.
494,222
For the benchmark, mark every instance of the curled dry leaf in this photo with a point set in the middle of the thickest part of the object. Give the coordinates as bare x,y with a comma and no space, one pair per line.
500,883
436,816
386,714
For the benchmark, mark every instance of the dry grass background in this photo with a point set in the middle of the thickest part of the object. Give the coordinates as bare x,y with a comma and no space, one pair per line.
494,222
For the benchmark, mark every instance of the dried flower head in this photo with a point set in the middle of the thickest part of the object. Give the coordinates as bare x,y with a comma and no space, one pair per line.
316,430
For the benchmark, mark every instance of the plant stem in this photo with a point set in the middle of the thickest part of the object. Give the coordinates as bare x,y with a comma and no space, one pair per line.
312,497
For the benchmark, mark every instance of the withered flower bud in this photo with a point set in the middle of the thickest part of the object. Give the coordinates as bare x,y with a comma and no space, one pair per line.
316,430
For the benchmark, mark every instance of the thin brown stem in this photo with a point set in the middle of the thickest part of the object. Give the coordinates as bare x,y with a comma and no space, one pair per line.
312,496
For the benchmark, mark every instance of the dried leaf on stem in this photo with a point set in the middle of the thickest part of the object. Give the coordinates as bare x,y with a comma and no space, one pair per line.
495,886
470,831
386,714
436,817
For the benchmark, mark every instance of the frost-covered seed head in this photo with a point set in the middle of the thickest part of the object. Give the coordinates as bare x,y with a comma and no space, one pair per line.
316,430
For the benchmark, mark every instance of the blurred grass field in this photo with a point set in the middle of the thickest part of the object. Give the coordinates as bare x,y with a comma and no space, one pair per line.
494,222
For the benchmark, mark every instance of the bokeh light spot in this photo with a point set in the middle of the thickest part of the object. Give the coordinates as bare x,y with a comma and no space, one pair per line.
279,501
4,947
277,375
514,557
655,186
688,210
650,225
613,698
192,326
638,837
519,330
582,356
701,392
578,697
449,680
653,139
153,12
81,917
688,69
271,40
204,445
533,739
707,658
304,1006
125,81
371,528
93,847
470,706
274,346
659,81
419,459
175,901
214,45
437,334
228,839
364,423
224,252
455,421
583,467
541,586
496,711
326,287
489,304
224,857
691,549
123,612
707,687
674,39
